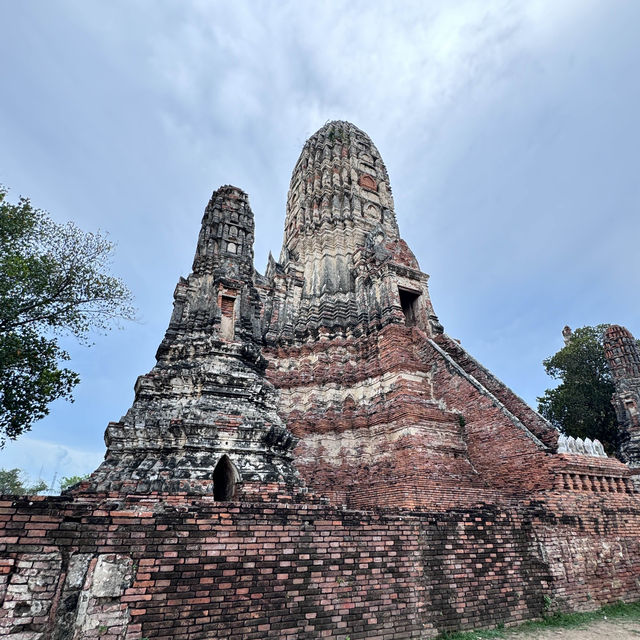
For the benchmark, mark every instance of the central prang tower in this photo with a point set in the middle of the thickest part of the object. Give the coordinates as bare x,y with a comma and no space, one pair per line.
344,267
346,314
389,410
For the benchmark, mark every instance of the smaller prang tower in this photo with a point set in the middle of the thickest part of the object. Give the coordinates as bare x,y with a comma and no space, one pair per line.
623,356
203,420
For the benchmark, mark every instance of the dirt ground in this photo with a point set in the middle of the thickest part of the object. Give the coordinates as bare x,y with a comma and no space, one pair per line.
601,630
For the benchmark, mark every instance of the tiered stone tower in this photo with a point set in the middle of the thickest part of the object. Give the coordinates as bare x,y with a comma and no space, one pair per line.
203,420
342,258
389,410
623,356
339,318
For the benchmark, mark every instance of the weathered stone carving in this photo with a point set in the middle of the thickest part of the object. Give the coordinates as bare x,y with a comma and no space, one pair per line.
207,395
492,506
588,447
342,259
388,408
623,356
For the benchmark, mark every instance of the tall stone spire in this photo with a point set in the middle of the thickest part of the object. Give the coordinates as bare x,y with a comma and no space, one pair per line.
204,420
347,311
342,261
339,193
387,410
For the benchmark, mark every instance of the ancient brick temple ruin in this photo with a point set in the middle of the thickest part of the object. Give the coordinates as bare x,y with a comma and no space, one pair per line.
623,355
312,456
204,420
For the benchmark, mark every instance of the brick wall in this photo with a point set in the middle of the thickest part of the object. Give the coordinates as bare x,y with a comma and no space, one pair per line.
518,407
397,420
196,569
591,544
505,452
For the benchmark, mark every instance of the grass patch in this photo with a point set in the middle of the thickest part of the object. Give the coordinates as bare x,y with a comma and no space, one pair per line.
618,611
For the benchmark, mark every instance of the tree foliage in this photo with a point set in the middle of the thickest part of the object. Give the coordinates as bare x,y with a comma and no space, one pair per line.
14,482
580,405
54,280
69,481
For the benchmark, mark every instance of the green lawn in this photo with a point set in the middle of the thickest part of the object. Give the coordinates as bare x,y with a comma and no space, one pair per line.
559,620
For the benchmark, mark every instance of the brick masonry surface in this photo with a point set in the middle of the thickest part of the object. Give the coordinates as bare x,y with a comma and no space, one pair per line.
194,569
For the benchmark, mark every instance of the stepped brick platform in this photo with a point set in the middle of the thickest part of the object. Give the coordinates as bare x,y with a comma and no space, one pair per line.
312,456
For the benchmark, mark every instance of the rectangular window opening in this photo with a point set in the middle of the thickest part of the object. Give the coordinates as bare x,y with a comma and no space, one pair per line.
409,303
227,305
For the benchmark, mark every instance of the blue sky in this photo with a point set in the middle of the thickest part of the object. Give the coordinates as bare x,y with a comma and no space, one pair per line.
509,129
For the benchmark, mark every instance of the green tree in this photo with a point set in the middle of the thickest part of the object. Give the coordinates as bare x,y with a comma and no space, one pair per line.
580,405
54,280
13,482
69,481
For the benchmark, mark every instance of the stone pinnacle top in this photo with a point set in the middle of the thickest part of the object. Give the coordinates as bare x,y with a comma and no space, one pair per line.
218,300
343,261
622,352
339,184
225,243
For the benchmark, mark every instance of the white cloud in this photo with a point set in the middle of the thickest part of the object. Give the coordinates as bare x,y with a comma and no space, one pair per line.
48,461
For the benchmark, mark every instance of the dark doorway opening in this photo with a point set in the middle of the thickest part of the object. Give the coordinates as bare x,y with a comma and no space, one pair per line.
224,480
409,303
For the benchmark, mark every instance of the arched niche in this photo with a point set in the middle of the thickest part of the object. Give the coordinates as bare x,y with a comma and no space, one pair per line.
368,182
225,479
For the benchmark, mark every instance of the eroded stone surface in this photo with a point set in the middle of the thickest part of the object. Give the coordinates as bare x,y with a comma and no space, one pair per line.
206,401
623,356
197,524
388,408
29,594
